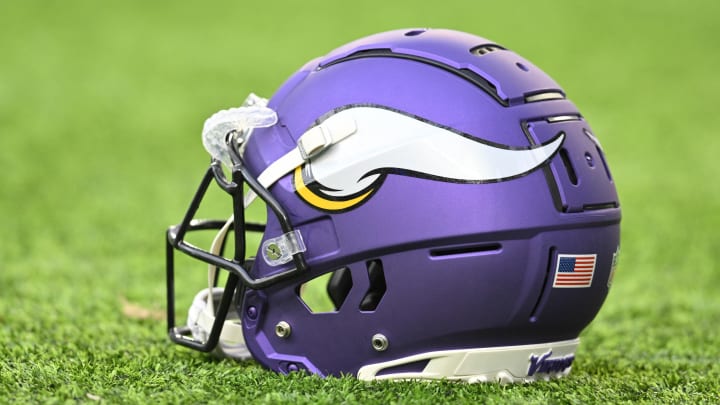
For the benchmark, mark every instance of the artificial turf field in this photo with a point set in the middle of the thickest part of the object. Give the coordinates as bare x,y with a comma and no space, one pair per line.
101,106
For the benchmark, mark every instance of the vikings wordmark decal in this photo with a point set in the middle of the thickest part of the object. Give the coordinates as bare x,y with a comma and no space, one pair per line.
390,142
548,365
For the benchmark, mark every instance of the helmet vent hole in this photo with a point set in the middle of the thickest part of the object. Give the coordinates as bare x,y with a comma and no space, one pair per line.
572,176
338,287
413,367
377,288
485,49
466,250
414,33
522,67
327,292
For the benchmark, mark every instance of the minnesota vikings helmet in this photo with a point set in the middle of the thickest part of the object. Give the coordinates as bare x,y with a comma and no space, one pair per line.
436,209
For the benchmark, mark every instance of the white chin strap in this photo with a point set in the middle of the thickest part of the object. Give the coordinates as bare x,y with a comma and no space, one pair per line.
201,318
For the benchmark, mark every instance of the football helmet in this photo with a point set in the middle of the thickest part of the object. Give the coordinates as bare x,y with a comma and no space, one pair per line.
453,205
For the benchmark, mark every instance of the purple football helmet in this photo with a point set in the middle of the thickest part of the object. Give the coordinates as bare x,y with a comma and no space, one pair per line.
452,204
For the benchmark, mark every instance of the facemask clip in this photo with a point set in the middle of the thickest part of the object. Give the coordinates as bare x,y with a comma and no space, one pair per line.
280,250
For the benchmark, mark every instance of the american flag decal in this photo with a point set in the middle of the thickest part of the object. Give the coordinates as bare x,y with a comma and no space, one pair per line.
574,271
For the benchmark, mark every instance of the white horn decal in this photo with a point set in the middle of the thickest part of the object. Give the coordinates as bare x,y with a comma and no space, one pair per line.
389,142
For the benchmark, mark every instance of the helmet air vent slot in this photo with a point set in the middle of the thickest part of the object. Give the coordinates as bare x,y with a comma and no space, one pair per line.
412,367
414,33
466,250
572,175
377,288
485,49
326,293
339,285
549,95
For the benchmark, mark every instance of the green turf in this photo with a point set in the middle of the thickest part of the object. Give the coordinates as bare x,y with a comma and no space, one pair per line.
101,104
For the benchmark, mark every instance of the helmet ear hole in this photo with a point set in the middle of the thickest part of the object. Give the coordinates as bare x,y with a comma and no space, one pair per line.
326,293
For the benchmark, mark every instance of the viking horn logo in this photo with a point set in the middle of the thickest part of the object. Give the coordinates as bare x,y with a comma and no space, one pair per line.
390,142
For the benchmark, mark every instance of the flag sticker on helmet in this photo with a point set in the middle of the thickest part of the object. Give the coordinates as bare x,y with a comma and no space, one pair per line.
391,142
574,271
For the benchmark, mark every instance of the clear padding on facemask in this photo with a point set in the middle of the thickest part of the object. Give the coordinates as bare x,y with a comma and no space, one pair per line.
280,250
254,113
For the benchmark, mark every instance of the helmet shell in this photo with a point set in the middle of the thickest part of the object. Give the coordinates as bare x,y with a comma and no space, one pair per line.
464,265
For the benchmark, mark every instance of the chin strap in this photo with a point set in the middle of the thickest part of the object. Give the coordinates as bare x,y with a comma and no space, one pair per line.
201,318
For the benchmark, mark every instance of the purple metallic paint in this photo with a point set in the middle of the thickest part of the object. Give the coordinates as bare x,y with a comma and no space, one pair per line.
469,300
